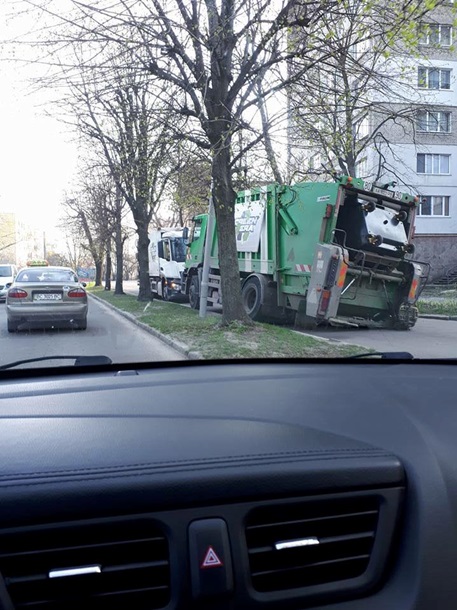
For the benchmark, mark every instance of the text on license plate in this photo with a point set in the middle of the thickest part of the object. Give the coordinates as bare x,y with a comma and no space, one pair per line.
47,297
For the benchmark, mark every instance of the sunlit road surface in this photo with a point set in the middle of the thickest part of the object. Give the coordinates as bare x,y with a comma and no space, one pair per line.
428,339
107,334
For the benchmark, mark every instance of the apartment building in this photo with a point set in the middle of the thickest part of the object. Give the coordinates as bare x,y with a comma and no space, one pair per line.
422,152
416,147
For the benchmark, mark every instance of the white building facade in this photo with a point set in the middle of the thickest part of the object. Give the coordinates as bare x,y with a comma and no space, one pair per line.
423,153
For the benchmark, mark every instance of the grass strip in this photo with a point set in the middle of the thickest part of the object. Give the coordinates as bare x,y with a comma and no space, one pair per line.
446,307
214,341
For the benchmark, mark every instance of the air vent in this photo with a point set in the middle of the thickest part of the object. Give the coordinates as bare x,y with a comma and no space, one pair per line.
310,544
124,564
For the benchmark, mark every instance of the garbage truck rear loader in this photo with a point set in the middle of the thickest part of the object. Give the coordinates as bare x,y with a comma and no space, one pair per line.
339,253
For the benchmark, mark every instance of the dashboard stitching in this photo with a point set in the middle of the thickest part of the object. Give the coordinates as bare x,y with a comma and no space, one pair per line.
149,472
223,459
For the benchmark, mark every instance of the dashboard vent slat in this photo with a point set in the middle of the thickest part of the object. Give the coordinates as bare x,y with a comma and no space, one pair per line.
345,530
132,555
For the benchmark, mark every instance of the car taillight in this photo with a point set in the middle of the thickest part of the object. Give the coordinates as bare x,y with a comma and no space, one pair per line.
77,293
17,293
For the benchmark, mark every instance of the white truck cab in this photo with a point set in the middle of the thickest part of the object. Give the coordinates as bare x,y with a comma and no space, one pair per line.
167,256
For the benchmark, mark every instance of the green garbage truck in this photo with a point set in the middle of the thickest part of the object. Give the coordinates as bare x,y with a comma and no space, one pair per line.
338,253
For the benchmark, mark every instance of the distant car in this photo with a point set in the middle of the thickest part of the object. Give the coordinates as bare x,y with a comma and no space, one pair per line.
46,296
7,274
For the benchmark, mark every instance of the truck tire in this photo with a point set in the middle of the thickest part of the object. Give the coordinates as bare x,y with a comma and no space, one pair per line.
406,318
252,297
194,292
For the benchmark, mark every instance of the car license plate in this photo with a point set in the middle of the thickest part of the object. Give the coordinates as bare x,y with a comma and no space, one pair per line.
47,297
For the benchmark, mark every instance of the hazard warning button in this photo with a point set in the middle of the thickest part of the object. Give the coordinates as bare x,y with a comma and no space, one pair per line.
210,560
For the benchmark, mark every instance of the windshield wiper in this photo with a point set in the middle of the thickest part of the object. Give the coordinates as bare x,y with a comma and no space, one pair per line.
79,361
385,355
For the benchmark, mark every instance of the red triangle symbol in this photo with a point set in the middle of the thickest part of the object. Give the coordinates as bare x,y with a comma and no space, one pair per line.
211,559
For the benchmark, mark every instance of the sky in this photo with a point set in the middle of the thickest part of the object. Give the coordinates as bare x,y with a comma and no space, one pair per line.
38,158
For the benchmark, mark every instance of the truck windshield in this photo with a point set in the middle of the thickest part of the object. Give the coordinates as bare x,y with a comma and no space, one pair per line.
178,249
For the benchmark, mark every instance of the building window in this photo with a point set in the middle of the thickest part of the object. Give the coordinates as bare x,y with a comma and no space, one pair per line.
432,121
434,78
435,34
432,164
434,205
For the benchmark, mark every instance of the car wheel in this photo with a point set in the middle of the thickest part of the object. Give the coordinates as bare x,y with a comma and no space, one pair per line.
194,292
12,326
82,324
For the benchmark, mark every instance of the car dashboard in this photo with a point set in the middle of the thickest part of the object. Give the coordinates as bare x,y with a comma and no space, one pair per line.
230,486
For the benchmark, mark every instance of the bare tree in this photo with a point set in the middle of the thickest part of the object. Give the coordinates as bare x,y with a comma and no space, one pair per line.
346,105
133,135
208,56
191,187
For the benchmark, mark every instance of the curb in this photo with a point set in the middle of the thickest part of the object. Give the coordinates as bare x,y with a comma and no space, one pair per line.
179,347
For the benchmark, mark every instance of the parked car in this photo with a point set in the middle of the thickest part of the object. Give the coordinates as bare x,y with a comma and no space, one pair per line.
46,296
7,274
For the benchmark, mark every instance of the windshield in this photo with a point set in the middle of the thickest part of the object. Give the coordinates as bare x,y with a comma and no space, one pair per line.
6,271
178,249
278,184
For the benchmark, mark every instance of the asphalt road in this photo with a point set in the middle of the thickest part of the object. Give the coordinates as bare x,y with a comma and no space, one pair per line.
107,334
428,339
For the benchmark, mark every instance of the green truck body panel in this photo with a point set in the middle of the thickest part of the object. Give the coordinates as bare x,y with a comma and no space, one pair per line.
289,235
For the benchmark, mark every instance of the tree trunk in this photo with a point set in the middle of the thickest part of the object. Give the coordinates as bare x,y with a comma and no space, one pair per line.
108,269
224,199
144,293
119,246
98,271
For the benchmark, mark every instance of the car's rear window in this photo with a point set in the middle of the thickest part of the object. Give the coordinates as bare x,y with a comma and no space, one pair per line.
38,275
6,271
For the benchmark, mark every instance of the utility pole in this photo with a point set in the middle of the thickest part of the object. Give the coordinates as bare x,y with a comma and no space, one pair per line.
206,257
44,246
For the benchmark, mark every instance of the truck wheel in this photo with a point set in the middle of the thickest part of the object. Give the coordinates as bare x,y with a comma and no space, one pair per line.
406,317
194,292
251,295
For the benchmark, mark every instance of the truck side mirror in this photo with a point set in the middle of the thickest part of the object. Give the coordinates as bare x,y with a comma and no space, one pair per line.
185,233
